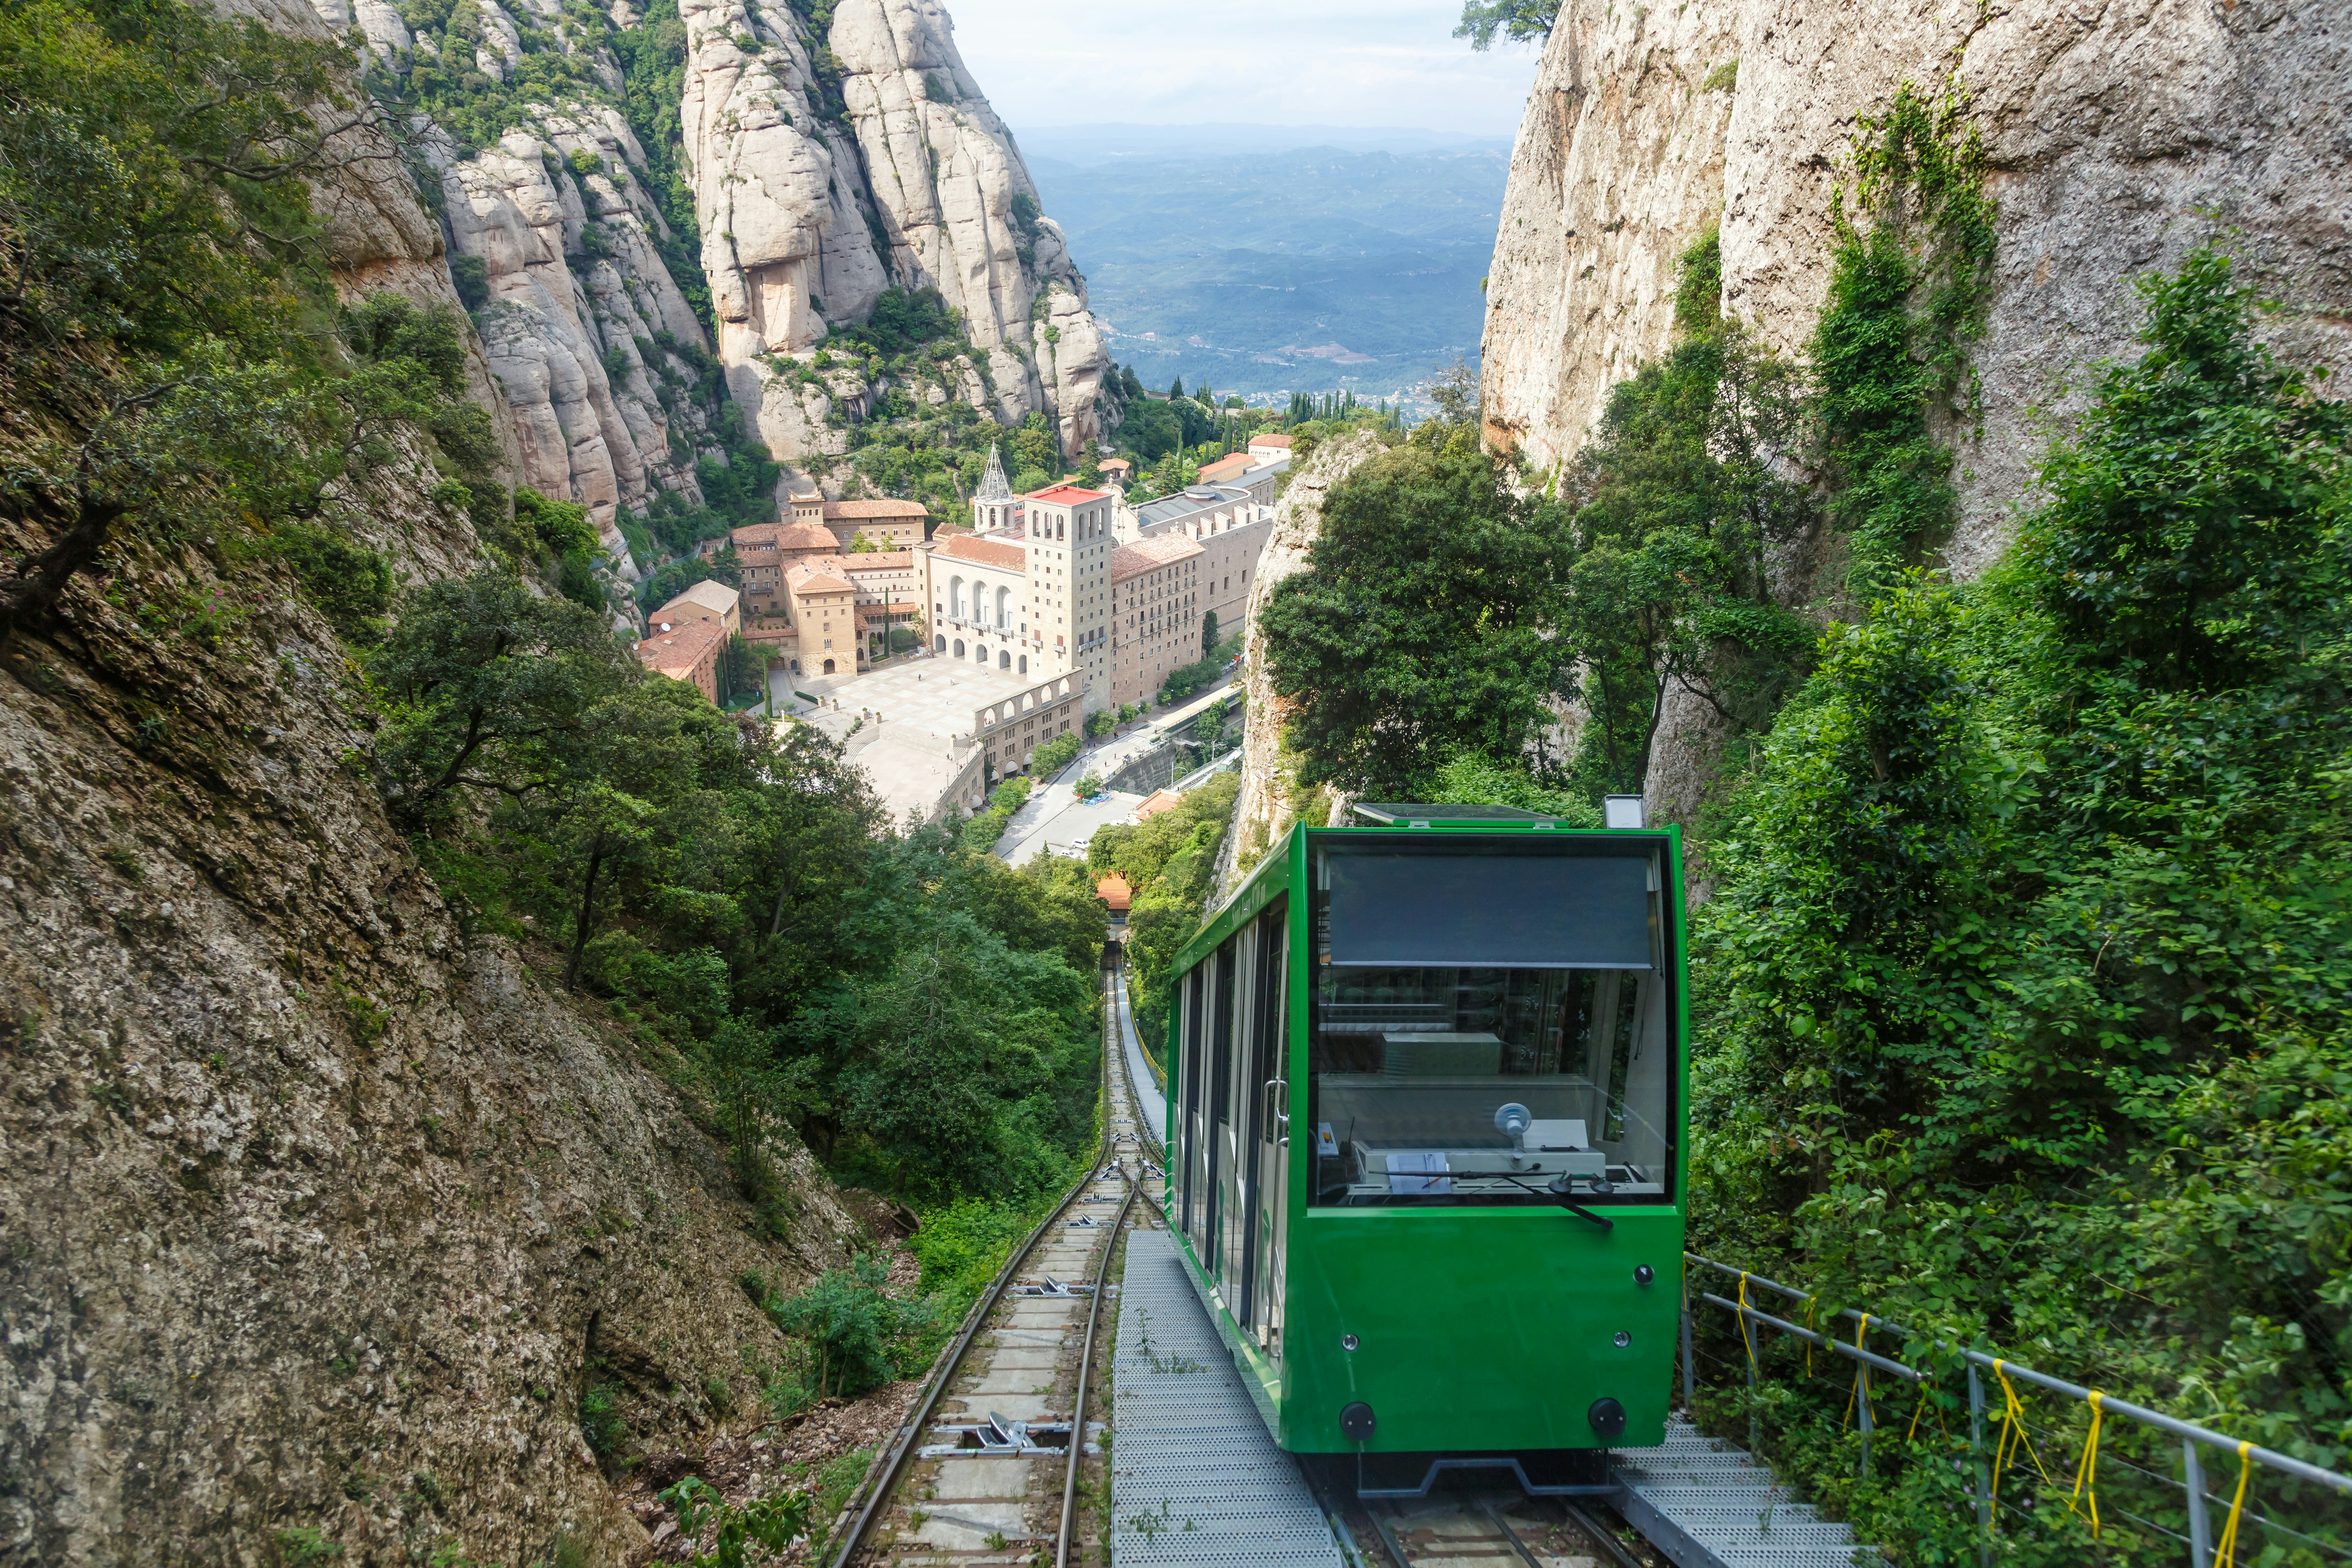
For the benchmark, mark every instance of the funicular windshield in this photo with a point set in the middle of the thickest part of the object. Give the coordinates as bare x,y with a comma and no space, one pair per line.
1493,1022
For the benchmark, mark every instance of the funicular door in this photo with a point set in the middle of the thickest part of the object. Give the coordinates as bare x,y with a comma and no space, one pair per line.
1191,1152
1270,1106
1216,1112
1236,1145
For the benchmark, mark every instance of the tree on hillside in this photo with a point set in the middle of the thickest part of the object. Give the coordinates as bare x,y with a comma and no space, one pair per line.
1209,635
1521,21
1422,624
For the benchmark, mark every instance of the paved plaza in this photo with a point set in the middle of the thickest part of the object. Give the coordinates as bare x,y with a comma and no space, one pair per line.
929,694
908,726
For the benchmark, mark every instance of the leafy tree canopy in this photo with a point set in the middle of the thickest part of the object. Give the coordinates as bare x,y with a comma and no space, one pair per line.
1519,21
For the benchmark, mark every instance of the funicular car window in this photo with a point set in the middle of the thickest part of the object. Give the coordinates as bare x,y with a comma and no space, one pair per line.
1492,1024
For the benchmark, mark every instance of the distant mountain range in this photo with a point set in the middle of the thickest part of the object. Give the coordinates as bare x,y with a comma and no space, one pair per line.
1236,254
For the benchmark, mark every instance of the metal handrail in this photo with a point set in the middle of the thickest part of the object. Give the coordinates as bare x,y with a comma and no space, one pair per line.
2202,1551
2190,1430
1852,1352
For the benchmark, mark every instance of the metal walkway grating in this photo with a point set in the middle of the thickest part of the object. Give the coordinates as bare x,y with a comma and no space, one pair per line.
1707,1505
1195,1480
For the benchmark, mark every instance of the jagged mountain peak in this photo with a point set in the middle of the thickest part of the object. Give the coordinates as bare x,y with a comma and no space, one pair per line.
653,219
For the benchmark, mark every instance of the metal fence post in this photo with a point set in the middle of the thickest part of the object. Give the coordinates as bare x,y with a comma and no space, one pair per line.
2200,1525
1984,1474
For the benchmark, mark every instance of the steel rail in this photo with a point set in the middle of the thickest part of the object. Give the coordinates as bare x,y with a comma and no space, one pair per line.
1594,1528
2189,1431
885,1477
1086,1363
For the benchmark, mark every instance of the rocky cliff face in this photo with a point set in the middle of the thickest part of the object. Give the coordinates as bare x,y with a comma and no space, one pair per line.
810,210
824,167
2121,134
575,294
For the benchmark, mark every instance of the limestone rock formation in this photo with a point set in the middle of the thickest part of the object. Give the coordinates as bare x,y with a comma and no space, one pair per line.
2121,134
1267,803
828,171
577,293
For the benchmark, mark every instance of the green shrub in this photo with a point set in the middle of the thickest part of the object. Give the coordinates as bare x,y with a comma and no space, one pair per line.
350,585
1054,755
848,1326
985,827
602,1422
302,1546
1472,779
471,275
772,1522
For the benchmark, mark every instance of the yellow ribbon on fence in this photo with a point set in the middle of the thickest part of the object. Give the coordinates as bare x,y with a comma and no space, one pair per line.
1860,1328
2086,1473
2225,1552
2014,1435
1918,1408
1745,1337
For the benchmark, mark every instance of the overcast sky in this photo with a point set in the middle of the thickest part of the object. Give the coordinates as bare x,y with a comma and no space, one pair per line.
1274,62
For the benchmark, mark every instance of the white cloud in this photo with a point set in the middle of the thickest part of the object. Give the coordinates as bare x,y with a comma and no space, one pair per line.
1274,62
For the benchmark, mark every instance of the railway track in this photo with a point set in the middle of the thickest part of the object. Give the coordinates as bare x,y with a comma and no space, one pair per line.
990,1469
1495,1529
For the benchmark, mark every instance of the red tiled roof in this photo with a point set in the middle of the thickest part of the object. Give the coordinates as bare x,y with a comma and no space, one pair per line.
1150,554
878,560
984,552
677,652
886,507
1274,440
1162,800
1113,890
1067,495
806,536
815,578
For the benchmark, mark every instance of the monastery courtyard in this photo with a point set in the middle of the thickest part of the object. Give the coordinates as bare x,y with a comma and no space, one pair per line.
917,713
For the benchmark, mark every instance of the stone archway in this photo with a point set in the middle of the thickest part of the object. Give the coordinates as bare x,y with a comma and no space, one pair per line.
828,667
